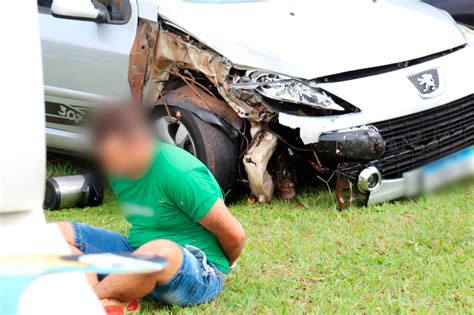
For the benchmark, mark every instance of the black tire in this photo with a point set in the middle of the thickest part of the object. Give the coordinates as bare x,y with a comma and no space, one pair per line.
213,147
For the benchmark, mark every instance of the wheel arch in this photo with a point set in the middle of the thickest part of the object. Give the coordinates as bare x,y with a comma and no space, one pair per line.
208,108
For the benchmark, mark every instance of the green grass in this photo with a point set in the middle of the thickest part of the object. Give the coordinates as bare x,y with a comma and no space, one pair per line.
411,256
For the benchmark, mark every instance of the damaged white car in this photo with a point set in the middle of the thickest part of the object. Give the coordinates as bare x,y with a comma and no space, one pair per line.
379,93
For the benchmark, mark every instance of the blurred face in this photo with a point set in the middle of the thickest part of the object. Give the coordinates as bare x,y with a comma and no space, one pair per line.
125,157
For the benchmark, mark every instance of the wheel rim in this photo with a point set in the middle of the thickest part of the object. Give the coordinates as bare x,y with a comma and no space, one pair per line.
172,131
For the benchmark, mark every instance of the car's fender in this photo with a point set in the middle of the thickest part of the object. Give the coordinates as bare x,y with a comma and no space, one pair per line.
208,108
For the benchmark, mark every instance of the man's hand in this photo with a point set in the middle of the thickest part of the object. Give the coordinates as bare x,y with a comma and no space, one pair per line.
229,232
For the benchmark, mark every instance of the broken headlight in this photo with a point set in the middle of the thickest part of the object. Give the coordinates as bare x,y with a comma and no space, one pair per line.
285,89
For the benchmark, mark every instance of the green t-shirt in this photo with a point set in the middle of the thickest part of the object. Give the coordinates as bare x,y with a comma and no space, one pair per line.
169,201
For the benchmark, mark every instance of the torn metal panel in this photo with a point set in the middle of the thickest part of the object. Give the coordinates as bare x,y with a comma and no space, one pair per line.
156,78
256,161
181,52
138,63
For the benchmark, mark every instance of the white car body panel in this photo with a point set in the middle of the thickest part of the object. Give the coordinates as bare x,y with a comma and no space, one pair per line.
389,95
291,38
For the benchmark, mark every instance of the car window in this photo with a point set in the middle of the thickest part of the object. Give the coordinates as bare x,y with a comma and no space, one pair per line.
119,10
224,1
44,6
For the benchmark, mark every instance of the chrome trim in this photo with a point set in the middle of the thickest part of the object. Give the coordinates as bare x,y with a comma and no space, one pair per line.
72,94
365,179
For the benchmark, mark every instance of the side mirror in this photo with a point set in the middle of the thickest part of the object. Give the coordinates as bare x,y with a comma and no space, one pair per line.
78,10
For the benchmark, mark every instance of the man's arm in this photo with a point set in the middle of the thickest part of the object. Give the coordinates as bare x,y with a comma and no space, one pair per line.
228,231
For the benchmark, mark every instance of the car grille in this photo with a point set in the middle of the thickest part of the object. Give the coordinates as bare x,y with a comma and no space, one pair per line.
416,140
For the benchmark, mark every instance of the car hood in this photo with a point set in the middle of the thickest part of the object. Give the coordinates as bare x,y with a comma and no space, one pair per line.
315,38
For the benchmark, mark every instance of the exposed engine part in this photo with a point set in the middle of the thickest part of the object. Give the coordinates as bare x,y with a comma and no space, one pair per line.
369,179
256,161
284,174
361,144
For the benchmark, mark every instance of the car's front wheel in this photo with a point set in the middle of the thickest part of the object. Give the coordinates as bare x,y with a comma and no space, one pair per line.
205,141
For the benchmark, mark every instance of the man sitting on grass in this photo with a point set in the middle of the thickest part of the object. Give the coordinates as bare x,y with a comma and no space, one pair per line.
176,211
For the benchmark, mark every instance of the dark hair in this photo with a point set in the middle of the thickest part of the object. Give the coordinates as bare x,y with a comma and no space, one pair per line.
124,120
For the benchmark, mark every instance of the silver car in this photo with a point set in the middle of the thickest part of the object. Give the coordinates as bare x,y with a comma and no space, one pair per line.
374,92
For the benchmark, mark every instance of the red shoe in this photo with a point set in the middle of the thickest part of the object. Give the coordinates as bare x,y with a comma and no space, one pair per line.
114,307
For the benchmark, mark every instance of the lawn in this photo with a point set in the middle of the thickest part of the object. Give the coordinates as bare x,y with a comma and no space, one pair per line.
410,256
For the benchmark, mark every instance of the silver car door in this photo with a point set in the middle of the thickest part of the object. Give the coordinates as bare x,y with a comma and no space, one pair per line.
83,62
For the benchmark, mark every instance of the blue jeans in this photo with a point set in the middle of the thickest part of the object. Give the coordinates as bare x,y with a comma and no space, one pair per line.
197,280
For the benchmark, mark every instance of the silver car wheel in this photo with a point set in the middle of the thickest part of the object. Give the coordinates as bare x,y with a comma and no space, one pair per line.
172,131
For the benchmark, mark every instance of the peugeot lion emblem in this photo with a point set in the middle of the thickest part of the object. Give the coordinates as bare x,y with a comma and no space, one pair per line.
428,83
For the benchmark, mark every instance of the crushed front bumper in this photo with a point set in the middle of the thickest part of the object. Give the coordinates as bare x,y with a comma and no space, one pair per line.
411,145
415,131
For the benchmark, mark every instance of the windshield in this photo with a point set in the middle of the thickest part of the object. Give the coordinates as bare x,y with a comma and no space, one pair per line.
224,1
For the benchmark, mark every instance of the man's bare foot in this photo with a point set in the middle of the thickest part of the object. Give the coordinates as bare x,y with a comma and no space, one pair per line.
114,307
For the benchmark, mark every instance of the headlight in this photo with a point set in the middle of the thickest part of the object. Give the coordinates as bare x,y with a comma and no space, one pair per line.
286,89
